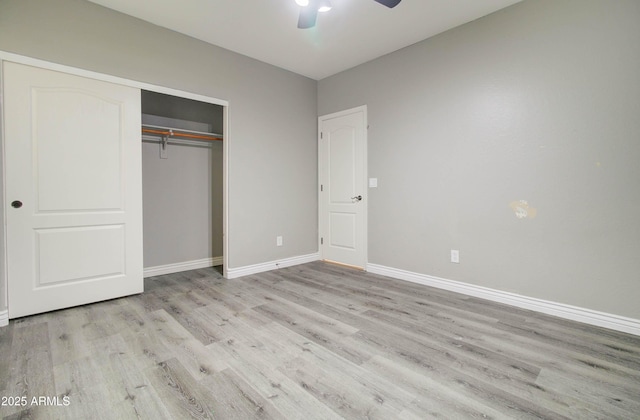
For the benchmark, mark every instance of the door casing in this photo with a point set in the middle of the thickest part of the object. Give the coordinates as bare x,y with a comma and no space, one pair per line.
20,59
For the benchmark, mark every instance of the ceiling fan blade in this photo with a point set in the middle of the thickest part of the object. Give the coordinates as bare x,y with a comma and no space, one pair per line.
308,17
389,3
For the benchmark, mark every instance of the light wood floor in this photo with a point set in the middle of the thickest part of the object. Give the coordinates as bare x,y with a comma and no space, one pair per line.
313,342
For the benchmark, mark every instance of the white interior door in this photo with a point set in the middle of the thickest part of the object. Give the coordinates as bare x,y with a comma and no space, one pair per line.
343,195
73,189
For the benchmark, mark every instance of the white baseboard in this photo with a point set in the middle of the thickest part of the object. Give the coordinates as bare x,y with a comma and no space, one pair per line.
233,273
574,313
4,318
161,270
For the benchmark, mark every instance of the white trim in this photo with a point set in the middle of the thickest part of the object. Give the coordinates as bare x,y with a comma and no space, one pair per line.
161,270
4,275
30,61
225,191
247,270
574,313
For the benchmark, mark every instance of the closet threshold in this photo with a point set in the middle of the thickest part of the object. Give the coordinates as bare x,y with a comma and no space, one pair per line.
167,132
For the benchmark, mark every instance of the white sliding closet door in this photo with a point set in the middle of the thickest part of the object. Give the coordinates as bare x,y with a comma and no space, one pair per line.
73,189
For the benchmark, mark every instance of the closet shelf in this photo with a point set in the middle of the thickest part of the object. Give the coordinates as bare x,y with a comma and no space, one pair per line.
168,132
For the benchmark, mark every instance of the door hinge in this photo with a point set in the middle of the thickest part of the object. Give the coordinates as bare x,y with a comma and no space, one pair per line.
321,187
321,241
321,135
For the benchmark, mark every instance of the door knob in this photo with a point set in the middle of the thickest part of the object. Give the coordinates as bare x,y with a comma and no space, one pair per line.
357,198
16,204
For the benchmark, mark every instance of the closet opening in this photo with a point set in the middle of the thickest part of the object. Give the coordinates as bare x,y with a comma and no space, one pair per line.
182,184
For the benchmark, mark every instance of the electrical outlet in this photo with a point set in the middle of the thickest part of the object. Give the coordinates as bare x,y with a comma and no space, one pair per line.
455,256
278,240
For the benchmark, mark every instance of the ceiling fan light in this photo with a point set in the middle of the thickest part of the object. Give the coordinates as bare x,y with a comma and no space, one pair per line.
302,3
324,6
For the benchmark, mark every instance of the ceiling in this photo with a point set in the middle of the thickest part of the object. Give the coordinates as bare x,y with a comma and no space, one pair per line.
353,32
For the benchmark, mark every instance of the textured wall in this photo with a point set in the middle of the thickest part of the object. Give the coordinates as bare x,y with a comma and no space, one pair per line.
537,102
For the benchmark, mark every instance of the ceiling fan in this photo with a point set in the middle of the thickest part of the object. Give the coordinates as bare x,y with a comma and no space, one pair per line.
310,9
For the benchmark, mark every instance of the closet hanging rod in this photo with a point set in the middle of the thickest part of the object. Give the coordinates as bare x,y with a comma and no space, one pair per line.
173,132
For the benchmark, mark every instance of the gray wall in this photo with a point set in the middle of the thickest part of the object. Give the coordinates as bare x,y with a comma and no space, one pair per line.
272,113
182,203
537,102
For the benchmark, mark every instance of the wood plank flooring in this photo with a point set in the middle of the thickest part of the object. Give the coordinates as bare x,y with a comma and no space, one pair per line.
314,341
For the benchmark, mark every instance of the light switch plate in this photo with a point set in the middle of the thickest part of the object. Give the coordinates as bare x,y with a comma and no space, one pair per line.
373,182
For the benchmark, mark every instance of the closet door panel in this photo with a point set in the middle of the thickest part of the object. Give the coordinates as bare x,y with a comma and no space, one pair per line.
74,134
61,264
73,189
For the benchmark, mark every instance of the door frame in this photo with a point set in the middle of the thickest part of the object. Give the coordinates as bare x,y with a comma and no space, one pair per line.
365,186
20,59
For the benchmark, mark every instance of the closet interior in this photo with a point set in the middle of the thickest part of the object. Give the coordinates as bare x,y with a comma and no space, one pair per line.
182,183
